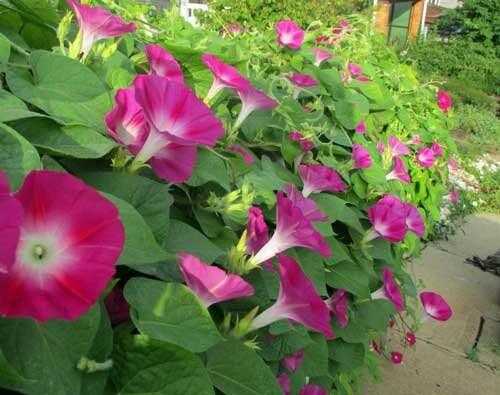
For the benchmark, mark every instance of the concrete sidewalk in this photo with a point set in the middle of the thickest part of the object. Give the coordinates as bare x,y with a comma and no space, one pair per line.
438,363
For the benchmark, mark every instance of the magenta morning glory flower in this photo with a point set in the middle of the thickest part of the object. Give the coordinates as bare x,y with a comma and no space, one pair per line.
303,80
426,157
388,217
396,358
285,383
338,305
319,178
70,238
399,171
293,361
293,229
243,152
308,206
414,220
289,34
410,338
380,147
117,307
360,128
225,76
97,23
437,149
305,144
361,157
312,389
257,230
397,147
251,100
163,63
210,283
297,301
390,290
454,196
415,140
435,306
354,69
444,100
320,56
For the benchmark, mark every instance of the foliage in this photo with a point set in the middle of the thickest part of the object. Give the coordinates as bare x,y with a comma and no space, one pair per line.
475,20
52,114
262,14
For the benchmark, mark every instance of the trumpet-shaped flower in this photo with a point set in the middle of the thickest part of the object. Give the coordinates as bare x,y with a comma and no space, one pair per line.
297,301
305,144
163,63
97,23
252,100
70,239
289,34
454,196
292,362
388,217
435,306
257,230
360,128
426,157
303,80
243,152
397,147
437,149
312,389
308,206
414,220
399,171
319,178
396,358
410,338
210,283
354,69
415,140
117,307
285,383
225,76
444,100
293,229
320,56
338,305
390,290
361,157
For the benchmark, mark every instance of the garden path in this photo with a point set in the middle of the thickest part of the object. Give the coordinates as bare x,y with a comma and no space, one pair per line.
441,361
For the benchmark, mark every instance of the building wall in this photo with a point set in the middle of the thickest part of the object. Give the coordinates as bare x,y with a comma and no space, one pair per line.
446,3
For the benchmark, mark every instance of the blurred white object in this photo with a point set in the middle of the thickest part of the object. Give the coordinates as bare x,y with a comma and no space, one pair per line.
187,11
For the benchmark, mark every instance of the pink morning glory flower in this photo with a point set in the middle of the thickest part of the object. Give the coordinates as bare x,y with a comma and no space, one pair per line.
292,362
210,283
97,23
289,34
312,389
303,80
319,178
243,152
415,140
410,338
397,147
285,383
388,217
437,149
435,306
426,157
257,230
454,196
360,128
380,147
293,229
308,206
452,165
399,171
390,290
225,76
162,63
354,69
297,301
70,239
444,100
338,306
117,307
414,220
396,358
320,56
252,100
361,157
305,144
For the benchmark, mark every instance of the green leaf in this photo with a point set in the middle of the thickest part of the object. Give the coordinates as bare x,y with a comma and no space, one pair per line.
340,252
4,52
354,332
13,108
64,88
313,268
146,366
184,238
374,175
337,210
349,276
316,357
375,314
330,78
171,312
150,198
140,245
381,249
352,110
47,354
75,141
237,370
349,356
17,156
209,167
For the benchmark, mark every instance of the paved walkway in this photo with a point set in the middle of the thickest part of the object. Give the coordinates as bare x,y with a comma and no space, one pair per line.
439,364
